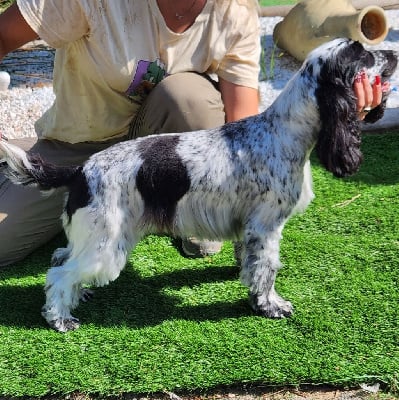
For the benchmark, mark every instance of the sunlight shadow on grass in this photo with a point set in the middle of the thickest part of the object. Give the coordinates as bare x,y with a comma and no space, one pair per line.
139,302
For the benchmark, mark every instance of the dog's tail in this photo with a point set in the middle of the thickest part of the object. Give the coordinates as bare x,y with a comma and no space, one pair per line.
29,169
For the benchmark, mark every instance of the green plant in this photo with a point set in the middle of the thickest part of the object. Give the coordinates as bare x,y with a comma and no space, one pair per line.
5,4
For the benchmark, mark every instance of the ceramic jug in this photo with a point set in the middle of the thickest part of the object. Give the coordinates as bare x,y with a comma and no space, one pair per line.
313,22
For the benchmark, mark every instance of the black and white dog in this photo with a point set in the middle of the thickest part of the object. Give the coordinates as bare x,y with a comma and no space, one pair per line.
240,182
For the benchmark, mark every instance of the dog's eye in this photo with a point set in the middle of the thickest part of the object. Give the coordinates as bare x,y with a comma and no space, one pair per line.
367,59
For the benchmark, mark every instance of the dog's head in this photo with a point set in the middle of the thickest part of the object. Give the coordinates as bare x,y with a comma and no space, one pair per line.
335,66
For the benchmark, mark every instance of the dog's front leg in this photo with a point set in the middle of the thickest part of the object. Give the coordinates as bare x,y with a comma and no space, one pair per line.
259,269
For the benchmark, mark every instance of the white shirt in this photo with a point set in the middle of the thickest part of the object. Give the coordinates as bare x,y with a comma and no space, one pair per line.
111,52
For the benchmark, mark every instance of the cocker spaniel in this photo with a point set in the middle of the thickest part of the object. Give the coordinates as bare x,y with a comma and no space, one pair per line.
239,182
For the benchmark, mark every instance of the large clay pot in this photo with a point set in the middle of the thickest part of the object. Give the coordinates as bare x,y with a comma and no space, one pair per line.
313,22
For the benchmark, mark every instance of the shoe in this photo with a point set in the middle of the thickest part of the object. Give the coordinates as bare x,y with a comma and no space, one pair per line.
195,248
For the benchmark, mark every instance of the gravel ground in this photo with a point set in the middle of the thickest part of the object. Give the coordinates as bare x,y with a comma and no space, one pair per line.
30,92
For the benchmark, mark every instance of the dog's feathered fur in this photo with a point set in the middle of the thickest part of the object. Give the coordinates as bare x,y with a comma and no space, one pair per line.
241,182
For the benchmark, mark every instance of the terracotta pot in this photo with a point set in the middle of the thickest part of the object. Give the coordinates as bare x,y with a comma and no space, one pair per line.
313,22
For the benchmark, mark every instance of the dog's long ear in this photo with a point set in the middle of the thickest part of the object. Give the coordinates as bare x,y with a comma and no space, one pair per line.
338,145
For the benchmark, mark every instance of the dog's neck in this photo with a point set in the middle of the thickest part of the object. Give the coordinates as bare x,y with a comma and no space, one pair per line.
295,113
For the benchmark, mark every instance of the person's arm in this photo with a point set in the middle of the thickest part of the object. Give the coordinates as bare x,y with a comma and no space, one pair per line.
239,101
14,30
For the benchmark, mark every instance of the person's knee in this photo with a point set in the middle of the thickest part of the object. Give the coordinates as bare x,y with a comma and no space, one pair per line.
27,220
17,244
192,98
180,103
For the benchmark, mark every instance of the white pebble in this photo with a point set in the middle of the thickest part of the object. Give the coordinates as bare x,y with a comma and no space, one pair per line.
4,80
20,108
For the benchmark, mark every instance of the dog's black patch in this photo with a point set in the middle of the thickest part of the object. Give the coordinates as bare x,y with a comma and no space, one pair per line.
79,196
162,179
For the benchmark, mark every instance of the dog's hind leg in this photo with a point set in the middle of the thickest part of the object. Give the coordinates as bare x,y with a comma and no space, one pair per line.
62,294
60,255
93,259
259,269
64,283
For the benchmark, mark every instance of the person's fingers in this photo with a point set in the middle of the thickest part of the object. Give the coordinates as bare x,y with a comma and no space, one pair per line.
368,96
377,92
359,93
368,91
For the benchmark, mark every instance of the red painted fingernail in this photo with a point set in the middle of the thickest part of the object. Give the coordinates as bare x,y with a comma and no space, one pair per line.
358,77
377,80
363,74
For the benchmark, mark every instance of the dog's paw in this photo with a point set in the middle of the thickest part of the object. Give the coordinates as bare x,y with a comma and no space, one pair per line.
278,308
86,294
65,325
59,256
60,324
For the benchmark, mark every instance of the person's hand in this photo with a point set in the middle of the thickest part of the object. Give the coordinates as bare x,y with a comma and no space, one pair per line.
368,95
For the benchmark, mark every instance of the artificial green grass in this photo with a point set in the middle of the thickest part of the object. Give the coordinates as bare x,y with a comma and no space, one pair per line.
171,323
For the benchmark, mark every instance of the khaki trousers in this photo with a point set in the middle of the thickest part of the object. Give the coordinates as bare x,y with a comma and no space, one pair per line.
28,219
